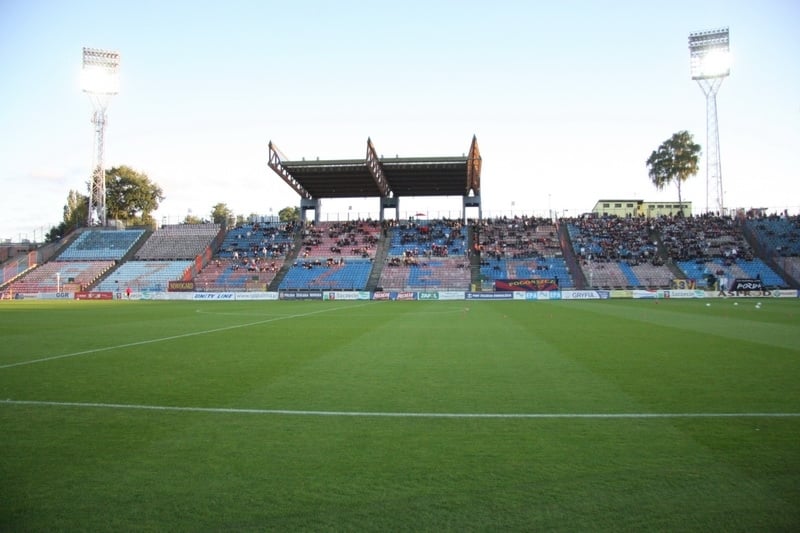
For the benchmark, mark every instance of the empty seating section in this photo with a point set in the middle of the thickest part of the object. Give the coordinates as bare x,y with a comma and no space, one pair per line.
394,277
16,266
264,240
778,235
181,241
356,239
348,275
58,275
101,244
441,273
790,265
652,276
144,275
426,255
234,275
618,274
604,274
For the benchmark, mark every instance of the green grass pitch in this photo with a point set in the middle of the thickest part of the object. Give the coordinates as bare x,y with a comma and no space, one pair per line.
621,415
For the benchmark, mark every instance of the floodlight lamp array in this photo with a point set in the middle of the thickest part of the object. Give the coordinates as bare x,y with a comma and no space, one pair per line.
100,73
709,53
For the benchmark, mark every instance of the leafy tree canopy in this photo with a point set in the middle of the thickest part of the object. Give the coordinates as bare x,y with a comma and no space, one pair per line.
676,160
222,214
289,214
131,197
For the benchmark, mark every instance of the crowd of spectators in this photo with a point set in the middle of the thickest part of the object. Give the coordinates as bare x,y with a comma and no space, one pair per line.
258,241
352,238
441,238
518,237
612,239
703,238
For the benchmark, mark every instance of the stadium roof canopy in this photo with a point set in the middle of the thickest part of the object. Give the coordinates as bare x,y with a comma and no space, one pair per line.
385,178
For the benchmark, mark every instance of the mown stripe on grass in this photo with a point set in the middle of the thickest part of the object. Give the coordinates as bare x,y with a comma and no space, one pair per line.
291,412
173,337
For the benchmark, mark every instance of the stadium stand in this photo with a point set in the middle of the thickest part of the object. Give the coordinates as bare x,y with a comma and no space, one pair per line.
426,254
705,245
703,237
357,239
620,252
144,275
55,275
521,248
778,235
533,268
175,242
95,244
791,266
249,258
266,240
238,275
699,270
339,274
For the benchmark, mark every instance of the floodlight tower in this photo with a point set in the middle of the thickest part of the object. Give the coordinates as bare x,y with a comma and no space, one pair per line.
709,55
100,80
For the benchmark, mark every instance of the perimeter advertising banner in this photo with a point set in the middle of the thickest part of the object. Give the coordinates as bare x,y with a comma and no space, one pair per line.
585,295
56,296
257,295
534,284
181,286
213,296
301,295
101,295
394,295
507,295
683,284
746,284
346,295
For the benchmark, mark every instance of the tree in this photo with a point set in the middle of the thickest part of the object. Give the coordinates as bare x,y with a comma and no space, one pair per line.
75,215
289,214
192,219
222,214
131,196
675,160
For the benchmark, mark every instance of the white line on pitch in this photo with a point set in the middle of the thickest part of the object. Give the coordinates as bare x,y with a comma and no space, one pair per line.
172,337
233,410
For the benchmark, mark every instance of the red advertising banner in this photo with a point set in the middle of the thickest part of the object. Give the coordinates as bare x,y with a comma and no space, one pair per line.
181,286
534,284
104,295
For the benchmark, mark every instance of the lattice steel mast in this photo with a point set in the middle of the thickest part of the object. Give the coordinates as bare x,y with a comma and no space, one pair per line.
709,55
100,82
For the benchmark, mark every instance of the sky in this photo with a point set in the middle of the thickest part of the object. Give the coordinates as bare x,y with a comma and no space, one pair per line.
567,100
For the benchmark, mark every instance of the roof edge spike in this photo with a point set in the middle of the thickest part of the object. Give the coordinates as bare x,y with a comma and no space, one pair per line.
376,170
274,163
474,163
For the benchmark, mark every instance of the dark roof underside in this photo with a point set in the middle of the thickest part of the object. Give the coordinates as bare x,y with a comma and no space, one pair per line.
351,178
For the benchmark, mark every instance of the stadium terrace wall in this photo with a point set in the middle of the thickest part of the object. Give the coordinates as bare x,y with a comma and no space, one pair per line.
661,294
